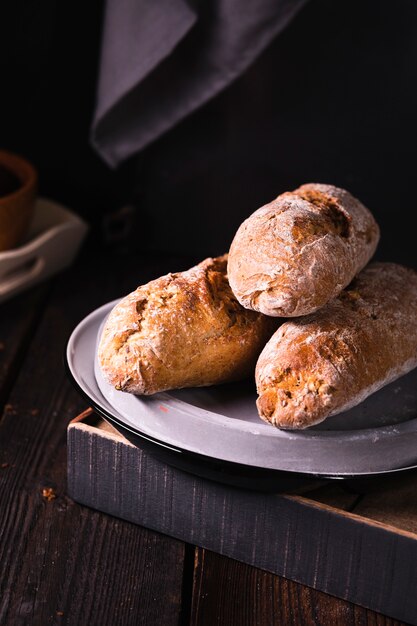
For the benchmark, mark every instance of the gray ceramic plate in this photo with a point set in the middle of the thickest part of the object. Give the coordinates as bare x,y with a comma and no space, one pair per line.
377,436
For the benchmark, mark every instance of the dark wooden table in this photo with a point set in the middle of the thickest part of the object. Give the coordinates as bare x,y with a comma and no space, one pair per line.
62,563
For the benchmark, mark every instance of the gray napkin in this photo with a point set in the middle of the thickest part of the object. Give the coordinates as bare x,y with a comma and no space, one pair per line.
162,59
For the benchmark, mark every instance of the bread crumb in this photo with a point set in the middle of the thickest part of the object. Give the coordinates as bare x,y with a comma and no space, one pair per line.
48,493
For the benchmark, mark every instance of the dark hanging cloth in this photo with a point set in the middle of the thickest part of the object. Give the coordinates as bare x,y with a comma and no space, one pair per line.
162,60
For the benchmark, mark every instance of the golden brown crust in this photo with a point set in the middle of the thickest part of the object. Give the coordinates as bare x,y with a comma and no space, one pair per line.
181,330
295,254
331,360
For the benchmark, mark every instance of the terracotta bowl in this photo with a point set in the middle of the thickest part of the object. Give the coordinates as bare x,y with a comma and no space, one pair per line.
18,191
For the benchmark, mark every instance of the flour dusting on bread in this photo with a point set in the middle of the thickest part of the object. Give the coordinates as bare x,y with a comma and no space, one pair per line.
295,254
327,362
181,330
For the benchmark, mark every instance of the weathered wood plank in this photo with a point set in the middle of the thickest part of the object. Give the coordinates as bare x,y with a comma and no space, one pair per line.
393,501
362,561
92,568
232,593
334,495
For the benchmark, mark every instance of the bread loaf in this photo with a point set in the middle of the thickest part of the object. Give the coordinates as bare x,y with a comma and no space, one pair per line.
181,330
329,361
295,254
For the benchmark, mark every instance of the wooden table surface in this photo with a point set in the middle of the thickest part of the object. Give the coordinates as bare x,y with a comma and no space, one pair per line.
63,563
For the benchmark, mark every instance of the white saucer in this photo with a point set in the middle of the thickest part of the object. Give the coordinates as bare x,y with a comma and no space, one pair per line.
51,244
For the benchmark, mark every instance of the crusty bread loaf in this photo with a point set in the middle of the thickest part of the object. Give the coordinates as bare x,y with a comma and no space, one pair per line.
182,330
293,255
329,361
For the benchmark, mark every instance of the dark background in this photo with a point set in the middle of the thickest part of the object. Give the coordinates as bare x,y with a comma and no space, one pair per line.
333,99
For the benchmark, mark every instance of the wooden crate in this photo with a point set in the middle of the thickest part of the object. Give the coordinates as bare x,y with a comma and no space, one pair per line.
356,541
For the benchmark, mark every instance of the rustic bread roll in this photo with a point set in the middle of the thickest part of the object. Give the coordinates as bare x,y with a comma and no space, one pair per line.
333,359
181,330
294,254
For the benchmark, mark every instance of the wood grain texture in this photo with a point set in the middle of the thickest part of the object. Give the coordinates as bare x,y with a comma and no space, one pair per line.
60,562
389,499
392,501
332,550
92,568
334,495
228,593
